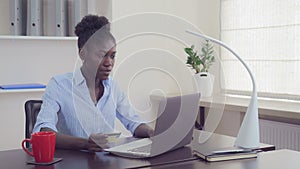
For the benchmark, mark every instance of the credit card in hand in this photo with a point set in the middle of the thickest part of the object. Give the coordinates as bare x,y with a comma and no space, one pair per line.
112,137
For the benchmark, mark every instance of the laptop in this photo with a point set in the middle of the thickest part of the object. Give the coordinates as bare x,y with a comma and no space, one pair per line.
174,126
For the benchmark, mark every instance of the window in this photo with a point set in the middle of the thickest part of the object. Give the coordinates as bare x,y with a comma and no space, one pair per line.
266,34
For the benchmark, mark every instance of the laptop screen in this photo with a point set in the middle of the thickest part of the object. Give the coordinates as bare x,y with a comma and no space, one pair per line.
175,122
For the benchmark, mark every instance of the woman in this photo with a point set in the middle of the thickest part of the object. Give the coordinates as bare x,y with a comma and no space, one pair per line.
82,106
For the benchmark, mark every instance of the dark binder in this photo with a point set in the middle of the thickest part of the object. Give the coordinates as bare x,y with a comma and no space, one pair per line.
77,10
35,18
17,15
61,17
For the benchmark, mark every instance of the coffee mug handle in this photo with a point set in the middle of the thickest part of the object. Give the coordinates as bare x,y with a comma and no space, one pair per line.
25,149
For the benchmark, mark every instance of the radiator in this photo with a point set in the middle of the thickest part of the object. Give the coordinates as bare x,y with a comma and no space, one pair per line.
282,135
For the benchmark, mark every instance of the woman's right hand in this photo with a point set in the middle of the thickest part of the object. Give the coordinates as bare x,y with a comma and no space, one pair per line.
97,142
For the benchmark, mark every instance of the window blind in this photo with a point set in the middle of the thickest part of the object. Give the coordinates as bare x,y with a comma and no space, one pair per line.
266,34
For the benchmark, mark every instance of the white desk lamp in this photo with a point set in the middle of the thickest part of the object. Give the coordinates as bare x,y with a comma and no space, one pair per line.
248,136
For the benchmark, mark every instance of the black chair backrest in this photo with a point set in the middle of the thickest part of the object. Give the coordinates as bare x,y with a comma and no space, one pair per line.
32,109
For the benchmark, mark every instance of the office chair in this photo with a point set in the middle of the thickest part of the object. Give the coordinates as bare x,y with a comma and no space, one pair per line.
32,109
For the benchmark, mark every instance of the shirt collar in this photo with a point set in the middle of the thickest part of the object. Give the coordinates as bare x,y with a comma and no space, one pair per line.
79,78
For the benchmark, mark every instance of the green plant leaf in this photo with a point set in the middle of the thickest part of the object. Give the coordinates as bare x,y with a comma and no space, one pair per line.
202,61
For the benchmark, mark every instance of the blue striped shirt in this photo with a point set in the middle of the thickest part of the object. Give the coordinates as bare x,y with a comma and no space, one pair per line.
68,108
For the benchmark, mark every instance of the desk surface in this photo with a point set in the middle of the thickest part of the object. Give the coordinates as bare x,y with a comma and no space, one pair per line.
15,159
278,159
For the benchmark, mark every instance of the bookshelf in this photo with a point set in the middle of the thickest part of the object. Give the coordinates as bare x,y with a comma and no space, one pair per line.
22,91
100,7
11,37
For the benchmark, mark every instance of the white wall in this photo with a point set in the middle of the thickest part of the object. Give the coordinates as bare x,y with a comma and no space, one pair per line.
35,60
169,18
4,21
12,121
158,57
28,61
204,14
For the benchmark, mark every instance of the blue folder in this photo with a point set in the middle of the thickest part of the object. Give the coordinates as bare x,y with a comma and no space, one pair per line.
23,86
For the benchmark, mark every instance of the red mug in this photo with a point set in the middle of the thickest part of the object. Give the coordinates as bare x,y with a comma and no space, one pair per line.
43,146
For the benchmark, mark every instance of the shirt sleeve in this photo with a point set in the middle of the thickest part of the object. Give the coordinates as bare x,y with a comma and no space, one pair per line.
47,116
125,112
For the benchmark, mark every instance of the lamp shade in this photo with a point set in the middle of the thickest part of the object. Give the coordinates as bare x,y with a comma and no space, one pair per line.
248,136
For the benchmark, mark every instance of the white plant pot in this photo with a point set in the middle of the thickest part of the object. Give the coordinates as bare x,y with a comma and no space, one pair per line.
205,82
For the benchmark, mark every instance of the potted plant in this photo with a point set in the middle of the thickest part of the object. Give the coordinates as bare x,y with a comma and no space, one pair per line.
201,64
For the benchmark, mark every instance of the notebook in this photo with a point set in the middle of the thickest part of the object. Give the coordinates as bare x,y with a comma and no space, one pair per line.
219,148
227,153
22,86
169,133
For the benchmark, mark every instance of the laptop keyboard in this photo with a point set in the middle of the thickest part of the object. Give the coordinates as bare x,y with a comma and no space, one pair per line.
142,149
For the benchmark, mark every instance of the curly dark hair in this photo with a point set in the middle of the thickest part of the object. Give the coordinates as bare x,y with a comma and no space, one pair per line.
87,27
